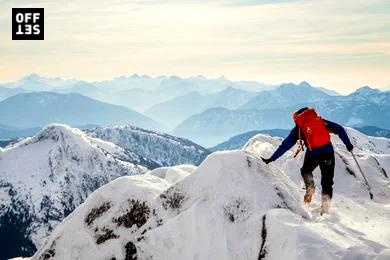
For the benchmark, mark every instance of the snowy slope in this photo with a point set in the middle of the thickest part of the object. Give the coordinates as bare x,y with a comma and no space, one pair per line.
373,153
164,149
43,178
232,206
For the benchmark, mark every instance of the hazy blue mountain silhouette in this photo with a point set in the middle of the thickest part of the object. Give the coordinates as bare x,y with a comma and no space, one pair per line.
37,109
286,95
174,111
365,106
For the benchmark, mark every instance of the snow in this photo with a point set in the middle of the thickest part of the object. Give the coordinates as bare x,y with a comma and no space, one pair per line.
45,177
164,149
233,206
173,174
358,226
237,178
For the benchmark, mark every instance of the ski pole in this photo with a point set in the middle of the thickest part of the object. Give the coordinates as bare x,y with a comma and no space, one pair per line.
364,176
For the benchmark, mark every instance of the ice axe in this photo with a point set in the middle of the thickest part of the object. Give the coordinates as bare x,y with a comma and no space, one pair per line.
364,176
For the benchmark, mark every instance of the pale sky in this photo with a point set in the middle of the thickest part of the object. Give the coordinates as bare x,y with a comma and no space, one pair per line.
338,44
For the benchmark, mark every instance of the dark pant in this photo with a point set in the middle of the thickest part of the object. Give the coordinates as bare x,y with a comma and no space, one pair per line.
326,162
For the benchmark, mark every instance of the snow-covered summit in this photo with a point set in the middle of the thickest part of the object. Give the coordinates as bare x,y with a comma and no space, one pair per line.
45,177
56,132
232,206
205,215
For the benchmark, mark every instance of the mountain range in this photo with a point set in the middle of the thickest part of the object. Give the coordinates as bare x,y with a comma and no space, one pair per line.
233,206
45,177
174,111
207,111
34,82
365,106
286,95
36,109
136,92
115,191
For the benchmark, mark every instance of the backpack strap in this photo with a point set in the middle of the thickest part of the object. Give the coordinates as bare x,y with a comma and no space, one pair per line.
326,124
300,144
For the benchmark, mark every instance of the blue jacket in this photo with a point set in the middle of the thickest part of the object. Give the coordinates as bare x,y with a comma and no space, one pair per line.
292,138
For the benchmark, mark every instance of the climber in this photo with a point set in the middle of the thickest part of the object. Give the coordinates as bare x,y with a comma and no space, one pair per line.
313,132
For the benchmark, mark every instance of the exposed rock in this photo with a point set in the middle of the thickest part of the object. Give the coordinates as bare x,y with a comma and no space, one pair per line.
136,214
131,251
97,212
104,234
173,198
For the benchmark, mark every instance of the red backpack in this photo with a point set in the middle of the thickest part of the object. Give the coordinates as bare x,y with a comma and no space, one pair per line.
313,128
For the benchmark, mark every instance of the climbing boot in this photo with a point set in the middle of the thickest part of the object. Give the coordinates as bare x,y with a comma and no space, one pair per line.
325,205
309,194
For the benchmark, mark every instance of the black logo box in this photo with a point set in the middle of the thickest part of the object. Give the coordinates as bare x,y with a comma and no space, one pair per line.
27,29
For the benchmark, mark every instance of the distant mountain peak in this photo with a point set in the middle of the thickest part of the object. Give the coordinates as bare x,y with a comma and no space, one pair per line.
174,77
55,131
305,89
367,89
305,84
222,77
32,76
37,77
135,76
287,85
199,77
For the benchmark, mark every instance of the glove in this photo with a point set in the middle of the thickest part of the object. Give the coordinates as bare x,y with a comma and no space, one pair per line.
267,161
349,147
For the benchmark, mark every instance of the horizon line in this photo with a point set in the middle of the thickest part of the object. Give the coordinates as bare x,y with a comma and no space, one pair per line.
221,77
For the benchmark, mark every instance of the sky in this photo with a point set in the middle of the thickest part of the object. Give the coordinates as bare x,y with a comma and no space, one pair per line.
341,45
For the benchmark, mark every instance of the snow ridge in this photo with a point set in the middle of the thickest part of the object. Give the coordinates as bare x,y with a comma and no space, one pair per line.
164,149
233,206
